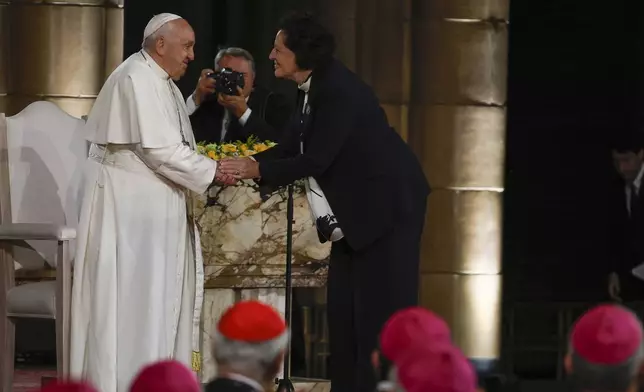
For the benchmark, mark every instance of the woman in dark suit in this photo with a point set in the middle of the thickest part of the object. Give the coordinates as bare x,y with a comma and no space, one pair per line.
365,187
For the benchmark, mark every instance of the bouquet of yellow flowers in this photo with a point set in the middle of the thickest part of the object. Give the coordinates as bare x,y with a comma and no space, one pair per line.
238,148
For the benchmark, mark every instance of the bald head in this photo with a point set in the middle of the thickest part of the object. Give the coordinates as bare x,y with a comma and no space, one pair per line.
171,45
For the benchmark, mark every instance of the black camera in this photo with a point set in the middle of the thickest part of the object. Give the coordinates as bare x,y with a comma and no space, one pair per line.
227,81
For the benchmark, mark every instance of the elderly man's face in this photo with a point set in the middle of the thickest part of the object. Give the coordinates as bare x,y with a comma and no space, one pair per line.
283,58
176,48
243,66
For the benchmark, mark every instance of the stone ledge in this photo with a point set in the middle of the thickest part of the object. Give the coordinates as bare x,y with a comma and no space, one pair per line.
312,274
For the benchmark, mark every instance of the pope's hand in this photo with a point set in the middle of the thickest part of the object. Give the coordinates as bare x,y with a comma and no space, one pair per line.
240,168
235,103
223,178
205,86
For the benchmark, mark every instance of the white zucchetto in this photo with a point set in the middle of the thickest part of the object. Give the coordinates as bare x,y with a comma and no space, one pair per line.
157,22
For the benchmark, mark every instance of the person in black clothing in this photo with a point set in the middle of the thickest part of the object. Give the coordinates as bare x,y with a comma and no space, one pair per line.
627,215
255,111
364,185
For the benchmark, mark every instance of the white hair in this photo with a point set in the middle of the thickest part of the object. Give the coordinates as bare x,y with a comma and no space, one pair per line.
245,357
150,42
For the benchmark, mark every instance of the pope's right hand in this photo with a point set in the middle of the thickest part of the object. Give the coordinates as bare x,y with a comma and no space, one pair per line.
224,179
205,86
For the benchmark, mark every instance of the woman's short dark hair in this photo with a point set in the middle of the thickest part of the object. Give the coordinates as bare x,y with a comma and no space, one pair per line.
311,42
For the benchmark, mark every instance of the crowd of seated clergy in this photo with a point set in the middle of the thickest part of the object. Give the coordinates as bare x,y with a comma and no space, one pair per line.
416,354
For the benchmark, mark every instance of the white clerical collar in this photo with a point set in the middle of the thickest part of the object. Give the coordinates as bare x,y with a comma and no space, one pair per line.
154,66
306,85
245,380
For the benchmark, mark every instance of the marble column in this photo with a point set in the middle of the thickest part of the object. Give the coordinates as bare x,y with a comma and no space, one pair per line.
457,128
59,51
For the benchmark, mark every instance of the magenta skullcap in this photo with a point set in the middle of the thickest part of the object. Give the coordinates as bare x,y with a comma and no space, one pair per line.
166,376
606,335
441,368
410,327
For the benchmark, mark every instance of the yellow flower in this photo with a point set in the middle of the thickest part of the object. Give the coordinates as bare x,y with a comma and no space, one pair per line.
248,153
228,148
212,155
259,147
243,148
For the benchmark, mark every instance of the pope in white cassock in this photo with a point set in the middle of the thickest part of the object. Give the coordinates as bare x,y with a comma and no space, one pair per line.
138,273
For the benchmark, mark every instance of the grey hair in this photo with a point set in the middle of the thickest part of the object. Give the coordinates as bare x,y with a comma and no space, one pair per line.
150,42
600,377
234,52
246,357
597,377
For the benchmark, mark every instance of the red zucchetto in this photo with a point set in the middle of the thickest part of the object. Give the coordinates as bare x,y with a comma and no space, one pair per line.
251,322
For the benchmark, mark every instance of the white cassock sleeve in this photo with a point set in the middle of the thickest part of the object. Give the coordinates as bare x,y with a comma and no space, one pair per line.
181,165
191,105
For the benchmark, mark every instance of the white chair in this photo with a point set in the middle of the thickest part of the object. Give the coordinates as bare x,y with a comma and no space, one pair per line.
41,157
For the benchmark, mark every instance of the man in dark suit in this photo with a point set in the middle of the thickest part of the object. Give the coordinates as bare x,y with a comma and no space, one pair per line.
255,111
364,185
627,228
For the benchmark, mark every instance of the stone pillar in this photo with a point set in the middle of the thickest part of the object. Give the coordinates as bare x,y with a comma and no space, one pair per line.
383,57
457,128
374,40
59,51
339,16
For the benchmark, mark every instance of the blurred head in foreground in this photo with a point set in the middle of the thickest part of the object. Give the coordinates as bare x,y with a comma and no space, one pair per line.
166,376
605,350
251,340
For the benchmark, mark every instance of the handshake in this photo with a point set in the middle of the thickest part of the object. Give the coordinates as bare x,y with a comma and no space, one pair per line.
231,170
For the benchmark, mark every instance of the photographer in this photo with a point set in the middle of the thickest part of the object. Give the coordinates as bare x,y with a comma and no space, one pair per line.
217,117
